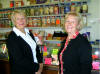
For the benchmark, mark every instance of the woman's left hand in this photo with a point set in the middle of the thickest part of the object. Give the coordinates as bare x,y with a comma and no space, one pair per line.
40,69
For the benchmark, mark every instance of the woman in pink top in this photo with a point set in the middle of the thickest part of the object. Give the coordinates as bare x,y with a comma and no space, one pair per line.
75,55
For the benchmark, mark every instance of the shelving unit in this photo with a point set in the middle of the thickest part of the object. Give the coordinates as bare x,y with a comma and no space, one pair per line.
39,17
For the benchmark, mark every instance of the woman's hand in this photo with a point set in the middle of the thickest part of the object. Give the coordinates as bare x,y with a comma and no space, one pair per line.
40,69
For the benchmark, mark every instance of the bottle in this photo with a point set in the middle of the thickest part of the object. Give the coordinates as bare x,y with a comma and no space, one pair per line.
61,0
51,9
53,20
62,21
48,21
43,21
73,7
11,3
85,7
67,8
56,9
41,10
32,11
58,21
84,19
38,22
62,9
78,7
0,5
35,22
46,10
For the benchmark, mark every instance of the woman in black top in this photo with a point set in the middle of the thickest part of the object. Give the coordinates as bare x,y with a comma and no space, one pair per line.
75,55
24,53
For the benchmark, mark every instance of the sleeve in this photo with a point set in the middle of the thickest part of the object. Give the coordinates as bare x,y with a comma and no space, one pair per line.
62,46
39,55
17,57
85,52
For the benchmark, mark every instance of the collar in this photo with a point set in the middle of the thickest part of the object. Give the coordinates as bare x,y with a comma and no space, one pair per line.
18,32
75,35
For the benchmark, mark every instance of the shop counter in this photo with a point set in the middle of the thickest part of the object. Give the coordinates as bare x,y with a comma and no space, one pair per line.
47,69
4,66
50,69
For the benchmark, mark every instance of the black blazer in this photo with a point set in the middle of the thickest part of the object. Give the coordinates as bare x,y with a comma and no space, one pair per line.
77,58
21,56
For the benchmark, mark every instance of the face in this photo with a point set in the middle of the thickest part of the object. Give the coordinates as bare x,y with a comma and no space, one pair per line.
20,21
71,24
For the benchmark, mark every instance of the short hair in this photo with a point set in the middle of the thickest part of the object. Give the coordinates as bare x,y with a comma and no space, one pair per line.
17,12
78,16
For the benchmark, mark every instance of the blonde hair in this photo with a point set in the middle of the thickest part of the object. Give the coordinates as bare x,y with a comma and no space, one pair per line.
78,17
13,17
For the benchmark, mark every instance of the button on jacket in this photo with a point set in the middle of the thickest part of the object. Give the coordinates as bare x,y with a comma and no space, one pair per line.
21,56
77,57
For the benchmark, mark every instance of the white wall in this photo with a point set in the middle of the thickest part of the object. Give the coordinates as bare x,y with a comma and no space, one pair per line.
94,19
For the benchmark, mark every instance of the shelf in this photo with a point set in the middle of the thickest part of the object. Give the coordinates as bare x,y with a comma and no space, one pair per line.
2,39
44,28
5,28
95,46
3,9
51,67
34,28
56,15
43,4
4,19
52,41
46,15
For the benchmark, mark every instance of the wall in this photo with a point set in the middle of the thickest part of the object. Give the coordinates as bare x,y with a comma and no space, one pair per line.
93,19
